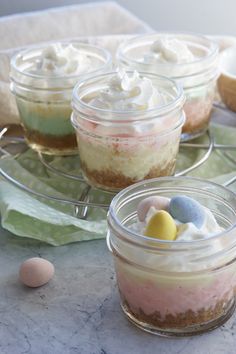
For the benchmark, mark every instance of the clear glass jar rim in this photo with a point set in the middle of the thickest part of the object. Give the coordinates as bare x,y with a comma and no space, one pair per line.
106,53
137,237
213,54
162,109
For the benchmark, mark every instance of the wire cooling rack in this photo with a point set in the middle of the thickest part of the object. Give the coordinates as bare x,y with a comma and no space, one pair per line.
82,204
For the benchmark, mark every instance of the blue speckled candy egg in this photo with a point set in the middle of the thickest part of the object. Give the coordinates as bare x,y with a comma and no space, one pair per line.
186,210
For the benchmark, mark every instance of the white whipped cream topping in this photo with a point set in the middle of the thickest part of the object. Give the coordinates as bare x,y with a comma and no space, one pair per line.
188,231
185,232
128,92
169,50
58,59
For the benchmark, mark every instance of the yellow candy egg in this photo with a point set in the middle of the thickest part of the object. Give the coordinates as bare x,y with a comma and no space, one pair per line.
161,226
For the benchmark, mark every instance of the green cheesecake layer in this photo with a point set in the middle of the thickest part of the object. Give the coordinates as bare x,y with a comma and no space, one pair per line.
46,118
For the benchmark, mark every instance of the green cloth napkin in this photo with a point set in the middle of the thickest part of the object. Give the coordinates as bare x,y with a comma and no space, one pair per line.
217,164
56,223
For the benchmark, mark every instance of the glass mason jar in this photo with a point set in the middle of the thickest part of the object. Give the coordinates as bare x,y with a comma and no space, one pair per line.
44,100
198,77
175,288
118,148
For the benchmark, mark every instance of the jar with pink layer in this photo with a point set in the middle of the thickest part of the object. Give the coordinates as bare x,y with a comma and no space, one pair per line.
190,59
128,127
180,287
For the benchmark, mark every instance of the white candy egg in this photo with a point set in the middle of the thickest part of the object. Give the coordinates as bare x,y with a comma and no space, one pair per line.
159,203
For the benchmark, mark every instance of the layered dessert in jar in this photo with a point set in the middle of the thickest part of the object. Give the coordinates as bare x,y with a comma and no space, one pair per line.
191,60
174,242
128,126
42,80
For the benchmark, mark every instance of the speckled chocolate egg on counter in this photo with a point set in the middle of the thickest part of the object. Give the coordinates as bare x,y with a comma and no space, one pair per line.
35,272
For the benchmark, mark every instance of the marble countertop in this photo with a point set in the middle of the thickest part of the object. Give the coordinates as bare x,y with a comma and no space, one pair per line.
78,311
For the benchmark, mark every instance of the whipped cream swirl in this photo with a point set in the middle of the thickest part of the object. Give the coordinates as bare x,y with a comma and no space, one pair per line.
58,59
128,91
169,50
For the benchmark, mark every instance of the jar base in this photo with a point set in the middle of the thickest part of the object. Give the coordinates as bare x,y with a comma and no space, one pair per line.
100,187
51,151
50,144
187,136
185,331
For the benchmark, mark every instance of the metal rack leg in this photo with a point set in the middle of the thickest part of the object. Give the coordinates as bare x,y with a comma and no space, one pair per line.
81,212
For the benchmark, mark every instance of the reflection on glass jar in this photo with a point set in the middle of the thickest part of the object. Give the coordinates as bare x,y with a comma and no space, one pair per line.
175,288
189,59
42,80
118,147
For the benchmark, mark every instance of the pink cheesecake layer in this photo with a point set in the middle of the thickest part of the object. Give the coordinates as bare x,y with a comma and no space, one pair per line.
174,299
197,112
132,145
136,129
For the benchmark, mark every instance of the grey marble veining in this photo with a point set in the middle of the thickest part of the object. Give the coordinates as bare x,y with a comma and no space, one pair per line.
78,311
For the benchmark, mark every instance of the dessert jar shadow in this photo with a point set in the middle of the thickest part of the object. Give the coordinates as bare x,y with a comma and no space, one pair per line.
120,147
197,75
43,97
175,288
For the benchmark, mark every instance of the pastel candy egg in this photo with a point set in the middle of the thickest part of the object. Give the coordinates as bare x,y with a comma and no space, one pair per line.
36,272
186,210
159,203
161,226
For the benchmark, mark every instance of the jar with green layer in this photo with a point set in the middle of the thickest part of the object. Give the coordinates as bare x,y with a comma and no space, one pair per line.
42,80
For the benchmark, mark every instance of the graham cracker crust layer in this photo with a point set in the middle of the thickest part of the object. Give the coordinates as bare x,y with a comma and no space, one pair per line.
181,320
112,180
60,142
